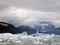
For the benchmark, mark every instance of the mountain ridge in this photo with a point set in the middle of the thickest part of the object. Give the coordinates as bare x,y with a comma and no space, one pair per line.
43,27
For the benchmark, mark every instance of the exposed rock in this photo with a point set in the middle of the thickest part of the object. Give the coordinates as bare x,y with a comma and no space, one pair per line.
8,28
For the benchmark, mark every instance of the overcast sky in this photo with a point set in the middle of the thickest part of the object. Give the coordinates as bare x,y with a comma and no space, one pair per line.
29,11
45,5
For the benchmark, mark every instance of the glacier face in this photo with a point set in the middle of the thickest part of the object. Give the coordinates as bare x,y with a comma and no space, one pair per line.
7,38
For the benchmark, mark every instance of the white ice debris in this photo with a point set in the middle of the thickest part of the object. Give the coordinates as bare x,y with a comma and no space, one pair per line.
24,38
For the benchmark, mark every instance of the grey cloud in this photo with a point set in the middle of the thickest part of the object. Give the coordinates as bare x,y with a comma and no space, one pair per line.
3,5
44,5
29,11
23,16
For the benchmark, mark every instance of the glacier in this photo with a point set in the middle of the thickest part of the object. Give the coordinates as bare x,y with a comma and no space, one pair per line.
24,38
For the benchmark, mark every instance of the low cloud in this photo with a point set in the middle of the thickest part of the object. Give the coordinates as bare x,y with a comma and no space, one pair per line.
22,16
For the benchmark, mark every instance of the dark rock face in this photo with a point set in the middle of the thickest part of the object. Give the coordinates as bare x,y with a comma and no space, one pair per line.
8,28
